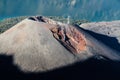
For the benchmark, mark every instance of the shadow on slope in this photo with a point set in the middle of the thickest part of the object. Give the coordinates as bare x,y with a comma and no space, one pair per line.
111,42
92,69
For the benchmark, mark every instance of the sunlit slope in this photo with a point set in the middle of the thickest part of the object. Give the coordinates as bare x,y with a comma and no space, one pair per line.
40,44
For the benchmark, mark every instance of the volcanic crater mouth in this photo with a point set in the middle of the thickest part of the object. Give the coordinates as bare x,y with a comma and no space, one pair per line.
67,35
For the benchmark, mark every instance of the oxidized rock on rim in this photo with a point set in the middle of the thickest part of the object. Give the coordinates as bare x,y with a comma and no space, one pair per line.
67,35
70,37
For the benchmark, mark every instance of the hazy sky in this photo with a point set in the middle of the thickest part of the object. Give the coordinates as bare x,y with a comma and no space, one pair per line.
93,10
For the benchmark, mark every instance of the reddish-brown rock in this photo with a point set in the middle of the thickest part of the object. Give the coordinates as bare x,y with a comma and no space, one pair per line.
70,37
66,34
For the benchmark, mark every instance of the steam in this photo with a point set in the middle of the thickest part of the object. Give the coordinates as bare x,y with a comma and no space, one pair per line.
68,20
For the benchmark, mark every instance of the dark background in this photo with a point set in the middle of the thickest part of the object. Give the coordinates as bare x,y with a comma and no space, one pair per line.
91,69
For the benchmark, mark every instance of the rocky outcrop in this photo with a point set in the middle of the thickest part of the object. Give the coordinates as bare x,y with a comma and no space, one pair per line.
70,37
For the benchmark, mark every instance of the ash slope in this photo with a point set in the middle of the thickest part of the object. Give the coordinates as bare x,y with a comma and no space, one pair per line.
35,48
109,30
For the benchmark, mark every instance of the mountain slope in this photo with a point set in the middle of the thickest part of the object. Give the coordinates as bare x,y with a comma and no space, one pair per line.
30,42
41,44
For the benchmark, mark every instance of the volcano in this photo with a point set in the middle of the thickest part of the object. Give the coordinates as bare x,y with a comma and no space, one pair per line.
40,44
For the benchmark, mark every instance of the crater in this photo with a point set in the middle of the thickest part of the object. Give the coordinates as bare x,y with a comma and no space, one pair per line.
66,34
